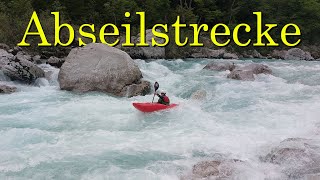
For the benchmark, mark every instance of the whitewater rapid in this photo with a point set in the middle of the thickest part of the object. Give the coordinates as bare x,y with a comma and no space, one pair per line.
46,133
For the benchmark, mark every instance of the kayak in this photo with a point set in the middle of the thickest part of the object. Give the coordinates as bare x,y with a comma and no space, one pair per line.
151,107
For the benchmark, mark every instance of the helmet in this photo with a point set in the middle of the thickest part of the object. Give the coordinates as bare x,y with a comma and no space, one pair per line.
162,91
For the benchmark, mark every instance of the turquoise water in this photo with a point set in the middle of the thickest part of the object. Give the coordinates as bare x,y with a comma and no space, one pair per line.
46,133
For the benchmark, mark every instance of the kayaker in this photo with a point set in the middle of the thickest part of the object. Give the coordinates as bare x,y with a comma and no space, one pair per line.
163,98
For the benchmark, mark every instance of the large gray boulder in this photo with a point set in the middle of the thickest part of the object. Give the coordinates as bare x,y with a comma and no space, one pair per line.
247,72
5,58
297,157
98,67
298,54
220,66
149,52
4,89
22,70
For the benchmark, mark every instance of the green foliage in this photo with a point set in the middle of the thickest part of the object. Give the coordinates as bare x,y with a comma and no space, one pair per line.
15,14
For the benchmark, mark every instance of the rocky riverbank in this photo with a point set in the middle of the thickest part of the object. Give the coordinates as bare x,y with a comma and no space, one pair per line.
21,66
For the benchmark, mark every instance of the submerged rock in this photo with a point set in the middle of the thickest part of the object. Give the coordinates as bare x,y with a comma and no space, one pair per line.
296,156
22,70
247,72
220,66
298,54
98,67
7,89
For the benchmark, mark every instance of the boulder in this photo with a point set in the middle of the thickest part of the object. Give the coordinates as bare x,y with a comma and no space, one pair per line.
141,89
241,75
149,52
5,57
22,70
230,56
298,54
7,89
56,62
21,55
278,54
220,66
297,157
247,72
37,59
98,67
4,47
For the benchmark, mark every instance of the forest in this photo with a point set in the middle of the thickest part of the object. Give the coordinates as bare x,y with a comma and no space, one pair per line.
15,14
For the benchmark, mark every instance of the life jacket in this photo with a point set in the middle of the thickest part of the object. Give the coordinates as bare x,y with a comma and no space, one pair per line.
166,99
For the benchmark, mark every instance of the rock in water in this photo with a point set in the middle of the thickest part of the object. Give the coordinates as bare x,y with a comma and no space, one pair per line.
217,169
246,73
22,70
298,54
298,157
7,89
98,67
220,66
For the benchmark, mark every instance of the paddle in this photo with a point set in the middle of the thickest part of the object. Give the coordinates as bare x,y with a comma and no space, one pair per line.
156,87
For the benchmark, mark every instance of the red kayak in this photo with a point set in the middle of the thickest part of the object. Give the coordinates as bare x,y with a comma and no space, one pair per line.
151,107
